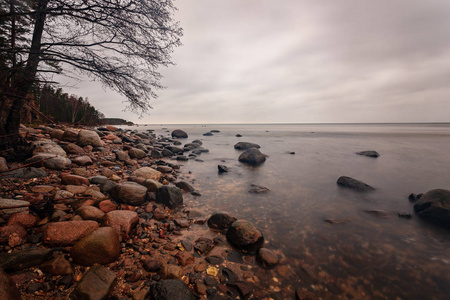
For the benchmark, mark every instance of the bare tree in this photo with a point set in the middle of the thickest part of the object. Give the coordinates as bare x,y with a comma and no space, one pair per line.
121,43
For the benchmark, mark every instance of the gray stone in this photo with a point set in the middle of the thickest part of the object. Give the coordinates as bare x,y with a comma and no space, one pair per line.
170,196
369,153
246,145
47,146
252,156
434,206
3,165
25,173
136,153
185,186
98,179
178,133
12,206
147,173
355,184
89,137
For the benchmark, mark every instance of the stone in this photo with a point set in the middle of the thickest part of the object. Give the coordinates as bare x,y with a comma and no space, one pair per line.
96,284
185,186
50,161
70,135
170,196
208,133
164,169
160,214
166,153
82,160
267,258
111,128
174,149
434,206
355,184
68,179
152,265
67,233
13,235
25,220
185,258
170,289
245,236
80,172
107,186
246,145
25,173
99,179
57,266
88,212
89,137
256,189
178,133
8,288
156,154
222,168
76,189
24,259
244,287
252,156
123,221
304,294
57,134
129,193
3,165
214,260
182,158
106,206
137,153
169,271
220,220
151,185
94,194
370,153
147,173
47,146
11,206
43,189
122,156
73,149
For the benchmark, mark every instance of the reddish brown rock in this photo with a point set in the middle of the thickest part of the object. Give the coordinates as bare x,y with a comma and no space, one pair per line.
8,288
82,160
244,235
185,258
129,193
73,179
67,233
25,220
90,213
106,206
57,266
123,221
42,188
76,189
111,128
14,235
267,258
102,246
73,149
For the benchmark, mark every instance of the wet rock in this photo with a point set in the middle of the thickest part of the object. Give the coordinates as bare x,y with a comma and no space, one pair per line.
214,260
170,196
67,233
185,186
25,173
257,189
23,259
157,154
88,212
73,149
413,197
175,150
434,206
178,133
13,235
183,223
102,246
57,266
267,258
169,271
238,135
160,214
68,179
129,193
244,235
89,137
379,213
8,288
170,289
164,169
200,267
167,153
182,158
220,220
147,173
136,153
369,153
97,283
246,145
222,168
203,245
82,160
353,184
123,221
252,156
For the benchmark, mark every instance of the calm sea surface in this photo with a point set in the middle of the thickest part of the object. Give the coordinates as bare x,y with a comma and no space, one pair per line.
372,253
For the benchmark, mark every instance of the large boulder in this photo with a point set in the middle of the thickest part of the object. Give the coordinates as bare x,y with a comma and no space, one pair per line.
252,156
178,133
70,135
129,193
246,145
244,235
67,233
47,146
220,220
102,246
147,173
123,221
50,161
89,137
171,196
170,289
97,283
8,288
355,184
434,206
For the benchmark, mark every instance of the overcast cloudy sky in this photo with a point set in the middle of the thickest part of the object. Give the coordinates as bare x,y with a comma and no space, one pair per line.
302,61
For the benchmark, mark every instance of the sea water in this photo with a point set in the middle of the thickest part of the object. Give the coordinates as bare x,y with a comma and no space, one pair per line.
353,243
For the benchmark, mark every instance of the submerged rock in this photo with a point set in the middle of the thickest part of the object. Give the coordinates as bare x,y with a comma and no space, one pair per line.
178,133
170,289
220,220
170,196
252,156
222,168
369,153
353,184
267,258
246,145
434,206
244,235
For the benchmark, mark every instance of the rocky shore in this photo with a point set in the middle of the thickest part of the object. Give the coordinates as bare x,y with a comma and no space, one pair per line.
100,214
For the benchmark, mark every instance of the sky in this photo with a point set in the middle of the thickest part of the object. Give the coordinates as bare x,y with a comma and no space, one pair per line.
300,61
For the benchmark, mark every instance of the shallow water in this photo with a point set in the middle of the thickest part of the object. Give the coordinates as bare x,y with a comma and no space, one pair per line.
368,255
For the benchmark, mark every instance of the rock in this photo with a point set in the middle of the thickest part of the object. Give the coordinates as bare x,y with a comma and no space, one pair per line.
214,260
413,197
370,153
106,206
68,179
169,271
136,153
174,149
96,284
152,265
252,156
185,186
434,206
157,154
182,158
13,235
208,134
25,220
353,184
170,289
57,266
107,186
3,165
47,146
129,193
304,294
111,128
89,137
160,214
99,179
82,160
8,288
170,196
151,185
70,135
222,168
267,258
185,258
178,133
246,145
25,173
167,153
147,173
42,189
122,156
93,193
57,134
244,287
73,149
220,220
244,235
123,221
238,135
24,259
88,212
67,233
50,161
12,206
164,169
256,189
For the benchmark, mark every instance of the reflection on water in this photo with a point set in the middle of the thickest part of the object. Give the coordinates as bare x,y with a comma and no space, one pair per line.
364,250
